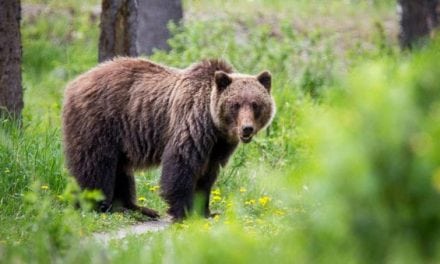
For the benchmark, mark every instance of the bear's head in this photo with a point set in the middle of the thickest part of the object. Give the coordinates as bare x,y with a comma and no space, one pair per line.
241,105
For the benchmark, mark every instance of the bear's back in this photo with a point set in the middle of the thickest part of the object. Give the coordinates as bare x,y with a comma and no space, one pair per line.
114,79
122,102
136,106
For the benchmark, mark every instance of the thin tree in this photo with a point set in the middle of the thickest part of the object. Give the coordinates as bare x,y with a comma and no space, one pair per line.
118,29
11,93
418,19
153,19
133,27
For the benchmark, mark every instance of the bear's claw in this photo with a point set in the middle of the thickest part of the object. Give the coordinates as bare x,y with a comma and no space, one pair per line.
148,212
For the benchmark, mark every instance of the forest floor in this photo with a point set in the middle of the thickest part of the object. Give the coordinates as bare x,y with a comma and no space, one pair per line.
134,229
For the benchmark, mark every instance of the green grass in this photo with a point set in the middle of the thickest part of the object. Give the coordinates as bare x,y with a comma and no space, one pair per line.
347,172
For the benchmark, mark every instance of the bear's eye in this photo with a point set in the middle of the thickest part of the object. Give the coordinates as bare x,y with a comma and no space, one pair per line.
236,106
254,105
256,109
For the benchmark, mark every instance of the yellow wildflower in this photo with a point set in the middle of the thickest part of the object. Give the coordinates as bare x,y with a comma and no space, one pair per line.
280,212
141,199
44,187
119,216
154,188
264,200
216,217
216,192
207,226
243,190
216,198
250,202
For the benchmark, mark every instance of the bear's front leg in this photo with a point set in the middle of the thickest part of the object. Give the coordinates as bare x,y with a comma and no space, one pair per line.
179,173
204,186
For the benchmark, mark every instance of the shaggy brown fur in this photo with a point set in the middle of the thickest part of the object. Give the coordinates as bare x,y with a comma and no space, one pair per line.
129,114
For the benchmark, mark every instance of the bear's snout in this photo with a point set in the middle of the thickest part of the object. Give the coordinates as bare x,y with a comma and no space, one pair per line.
247,130
246,133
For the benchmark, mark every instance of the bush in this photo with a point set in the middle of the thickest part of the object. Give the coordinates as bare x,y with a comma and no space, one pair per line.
374,165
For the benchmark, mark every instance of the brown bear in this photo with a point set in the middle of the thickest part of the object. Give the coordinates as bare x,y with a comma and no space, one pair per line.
130,113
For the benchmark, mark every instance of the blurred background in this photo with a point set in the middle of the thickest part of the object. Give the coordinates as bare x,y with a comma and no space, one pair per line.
348,172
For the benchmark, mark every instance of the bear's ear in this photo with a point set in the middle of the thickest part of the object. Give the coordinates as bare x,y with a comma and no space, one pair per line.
265,78
222,80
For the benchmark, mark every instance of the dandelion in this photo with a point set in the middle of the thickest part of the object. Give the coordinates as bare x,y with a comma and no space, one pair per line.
279,212
243,190
264,200
216,192
207,226
250,202
154,188
44,187
216,217
119,216
141,199
216,198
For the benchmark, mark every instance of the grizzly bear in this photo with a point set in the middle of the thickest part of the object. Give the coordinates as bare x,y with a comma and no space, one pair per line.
130,113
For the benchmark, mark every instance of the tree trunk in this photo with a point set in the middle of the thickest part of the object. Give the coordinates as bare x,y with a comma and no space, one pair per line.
433,7
118,29
11,93
132,27
417,19
153,18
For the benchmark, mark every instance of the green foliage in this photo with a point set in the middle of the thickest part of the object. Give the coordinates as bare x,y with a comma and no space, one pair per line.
27,156
299,59
374,165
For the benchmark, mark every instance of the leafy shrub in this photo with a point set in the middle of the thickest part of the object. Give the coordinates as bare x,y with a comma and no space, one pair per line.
374,165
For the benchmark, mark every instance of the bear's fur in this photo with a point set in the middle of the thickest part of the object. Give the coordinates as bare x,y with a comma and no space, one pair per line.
131,113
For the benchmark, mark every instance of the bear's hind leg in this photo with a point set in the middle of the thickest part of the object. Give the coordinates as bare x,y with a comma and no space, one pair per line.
125,192
106,171
99,175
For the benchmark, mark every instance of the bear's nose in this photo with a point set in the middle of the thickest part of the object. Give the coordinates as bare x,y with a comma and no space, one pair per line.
247,130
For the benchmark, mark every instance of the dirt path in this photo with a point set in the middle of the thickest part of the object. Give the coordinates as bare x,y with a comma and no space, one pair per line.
142,228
